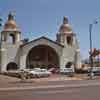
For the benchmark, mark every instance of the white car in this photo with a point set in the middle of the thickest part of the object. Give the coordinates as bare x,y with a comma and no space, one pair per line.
95,70
37,72
67,71
45,72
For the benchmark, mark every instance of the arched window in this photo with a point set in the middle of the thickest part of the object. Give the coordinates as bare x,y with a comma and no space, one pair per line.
69,40
11,39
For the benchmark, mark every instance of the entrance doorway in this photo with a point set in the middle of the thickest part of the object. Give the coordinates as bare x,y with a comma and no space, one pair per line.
12,66
42,56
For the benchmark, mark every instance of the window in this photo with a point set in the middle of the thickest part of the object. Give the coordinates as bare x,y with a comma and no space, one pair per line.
11,39
69,40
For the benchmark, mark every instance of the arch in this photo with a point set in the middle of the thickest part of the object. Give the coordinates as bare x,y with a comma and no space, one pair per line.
11,38
42,56
12,66
69,40
69,64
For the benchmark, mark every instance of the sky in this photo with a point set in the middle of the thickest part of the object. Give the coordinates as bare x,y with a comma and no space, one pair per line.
43,18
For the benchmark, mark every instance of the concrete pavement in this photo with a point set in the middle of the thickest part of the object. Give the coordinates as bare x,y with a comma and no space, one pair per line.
81,92
51,88
7,82
71,85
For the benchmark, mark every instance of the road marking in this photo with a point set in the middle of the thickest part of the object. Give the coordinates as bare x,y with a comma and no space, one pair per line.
50,86
56,91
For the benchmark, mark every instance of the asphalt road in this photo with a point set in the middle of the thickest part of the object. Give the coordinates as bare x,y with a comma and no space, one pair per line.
70,90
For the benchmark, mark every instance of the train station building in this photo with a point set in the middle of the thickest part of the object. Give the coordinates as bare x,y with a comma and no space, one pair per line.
18,53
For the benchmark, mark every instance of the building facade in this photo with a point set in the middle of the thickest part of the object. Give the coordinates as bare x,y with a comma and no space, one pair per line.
16,53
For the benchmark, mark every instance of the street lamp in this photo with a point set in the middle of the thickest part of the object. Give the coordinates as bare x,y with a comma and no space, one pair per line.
90,38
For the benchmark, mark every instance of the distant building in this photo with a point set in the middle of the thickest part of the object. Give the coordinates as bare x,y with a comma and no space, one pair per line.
17,54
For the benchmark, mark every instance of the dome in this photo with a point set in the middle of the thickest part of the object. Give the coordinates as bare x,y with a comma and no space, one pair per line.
65,27
10,24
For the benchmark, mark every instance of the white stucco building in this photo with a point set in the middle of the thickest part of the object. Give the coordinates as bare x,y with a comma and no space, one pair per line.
16,53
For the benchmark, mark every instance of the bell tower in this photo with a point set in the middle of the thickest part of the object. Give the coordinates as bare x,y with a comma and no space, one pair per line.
71,50
10,34
10,42
65,34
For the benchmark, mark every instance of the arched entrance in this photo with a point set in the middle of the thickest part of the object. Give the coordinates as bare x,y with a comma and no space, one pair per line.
42,56
12,66
68,65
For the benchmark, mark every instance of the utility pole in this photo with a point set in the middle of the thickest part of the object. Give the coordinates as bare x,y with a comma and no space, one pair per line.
91,48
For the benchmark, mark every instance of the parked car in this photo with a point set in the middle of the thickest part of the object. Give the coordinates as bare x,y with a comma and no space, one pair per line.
67,71
54,70
45,72
95,70
37,72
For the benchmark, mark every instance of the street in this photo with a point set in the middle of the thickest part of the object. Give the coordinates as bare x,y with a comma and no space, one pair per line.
62,90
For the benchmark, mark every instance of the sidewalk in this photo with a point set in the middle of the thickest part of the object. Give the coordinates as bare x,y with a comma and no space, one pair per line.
6,81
